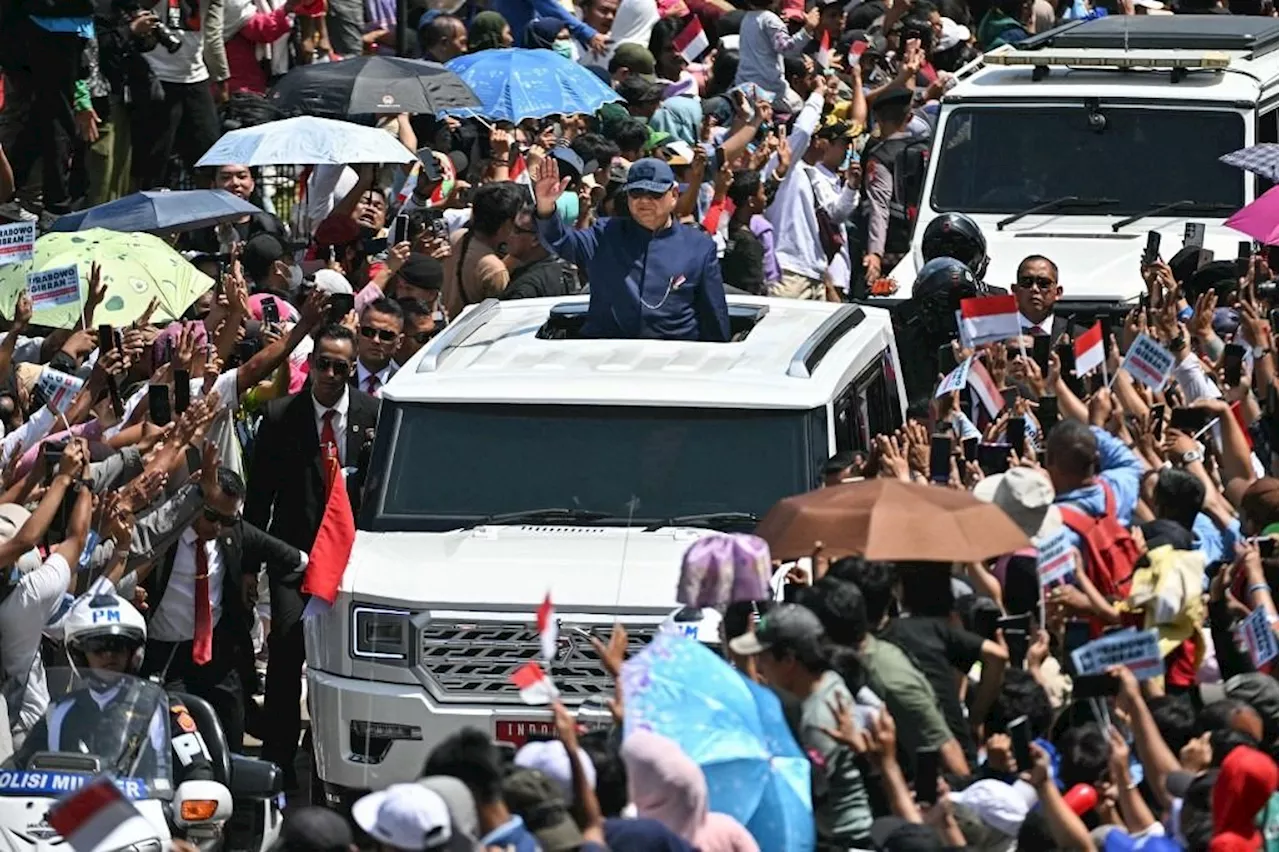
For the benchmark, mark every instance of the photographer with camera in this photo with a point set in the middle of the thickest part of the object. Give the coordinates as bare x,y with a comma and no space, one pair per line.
193,56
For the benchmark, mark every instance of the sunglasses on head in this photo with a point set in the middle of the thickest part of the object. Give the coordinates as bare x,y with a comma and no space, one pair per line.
217,517
1027,282
107,645
386,335
331,365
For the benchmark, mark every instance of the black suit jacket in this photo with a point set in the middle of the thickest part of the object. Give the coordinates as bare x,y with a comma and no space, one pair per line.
244,549
287,482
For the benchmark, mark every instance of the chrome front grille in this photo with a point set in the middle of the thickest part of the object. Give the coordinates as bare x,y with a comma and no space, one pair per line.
472,662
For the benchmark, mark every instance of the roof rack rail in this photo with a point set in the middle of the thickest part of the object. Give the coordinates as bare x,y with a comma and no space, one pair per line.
455,334
819,343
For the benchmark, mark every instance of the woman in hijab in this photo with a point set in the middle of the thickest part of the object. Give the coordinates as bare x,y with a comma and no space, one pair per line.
489,31
550,34
667,786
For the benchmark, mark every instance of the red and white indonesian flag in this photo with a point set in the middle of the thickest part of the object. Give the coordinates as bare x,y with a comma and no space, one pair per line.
535,685
692,41
985,387
990,318
824,50
88,816
519,172
1089,350
548,628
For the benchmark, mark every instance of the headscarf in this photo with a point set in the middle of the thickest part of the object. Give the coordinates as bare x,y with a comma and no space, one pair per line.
1244,785
667,786
486,31
542,33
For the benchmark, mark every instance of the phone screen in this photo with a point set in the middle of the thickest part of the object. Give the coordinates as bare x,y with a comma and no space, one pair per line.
1077,634
993,458
946,359
1048,413
399,229
430,165
340,304
106,337
1157,421
1094,686
940,458
1189,420
970,449
926,784
158,405
1010,396
1232,364
181,391
1041,346
1020,736
270,312
1152,252
1015,432
1244,255
984,622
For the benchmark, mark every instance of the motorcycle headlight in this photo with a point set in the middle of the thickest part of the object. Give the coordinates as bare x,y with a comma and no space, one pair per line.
380,634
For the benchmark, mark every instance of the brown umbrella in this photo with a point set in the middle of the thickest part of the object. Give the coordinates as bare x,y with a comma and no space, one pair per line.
890,520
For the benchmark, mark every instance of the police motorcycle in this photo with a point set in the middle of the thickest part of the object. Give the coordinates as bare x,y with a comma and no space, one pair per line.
164,752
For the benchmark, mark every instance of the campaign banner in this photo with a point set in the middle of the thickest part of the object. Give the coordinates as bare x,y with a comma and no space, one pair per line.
956,380
1138,651
51,288
1056,558
1148,362
1259,637
58,388
17,242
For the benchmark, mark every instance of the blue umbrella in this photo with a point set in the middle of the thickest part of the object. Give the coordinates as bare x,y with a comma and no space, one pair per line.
158,212
733,728
515,84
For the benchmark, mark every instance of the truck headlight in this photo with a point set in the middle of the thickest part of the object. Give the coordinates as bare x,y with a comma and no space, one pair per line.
380,634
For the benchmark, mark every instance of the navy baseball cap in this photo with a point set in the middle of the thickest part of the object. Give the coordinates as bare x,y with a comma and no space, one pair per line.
650,175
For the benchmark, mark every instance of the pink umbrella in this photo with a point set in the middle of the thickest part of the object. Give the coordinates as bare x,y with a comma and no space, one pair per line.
1260,219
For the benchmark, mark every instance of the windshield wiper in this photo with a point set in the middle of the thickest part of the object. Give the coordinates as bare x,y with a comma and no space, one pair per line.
1184,206
721,521
1056,204
538,515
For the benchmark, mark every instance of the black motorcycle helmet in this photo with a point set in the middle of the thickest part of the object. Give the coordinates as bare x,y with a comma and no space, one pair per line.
937,291
956,235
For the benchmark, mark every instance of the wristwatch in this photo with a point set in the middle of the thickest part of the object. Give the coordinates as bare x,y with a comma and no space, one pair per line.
1192,456
1178,344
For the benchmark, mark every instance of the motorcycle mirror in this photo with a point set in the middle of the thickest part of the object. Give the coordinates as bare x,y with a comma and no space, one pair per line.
201,803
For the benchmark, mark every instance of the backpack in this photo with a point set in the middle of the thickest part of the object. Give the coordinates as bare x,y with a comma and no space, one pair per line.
908,158
1110,553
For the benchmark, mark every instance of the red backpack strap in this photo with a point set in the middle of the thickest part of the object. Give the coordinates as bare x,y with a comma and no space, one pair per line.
1078,521
1108,497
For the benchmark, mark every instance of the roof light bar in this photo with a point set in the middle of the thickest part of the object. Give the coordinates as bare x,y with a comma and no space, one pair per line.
1112,58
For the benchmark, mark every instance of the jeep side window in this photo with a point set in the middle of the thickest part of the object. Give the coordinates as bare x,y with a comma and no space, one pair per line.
884,414
847,420
1266,131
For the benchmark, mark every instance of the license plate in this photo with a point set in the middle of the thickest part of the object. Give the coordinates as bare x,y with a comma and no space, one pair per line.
520,731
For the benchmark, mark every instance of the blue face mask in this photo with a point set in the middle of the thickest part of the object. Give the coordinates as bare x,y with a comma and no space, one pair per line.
564,47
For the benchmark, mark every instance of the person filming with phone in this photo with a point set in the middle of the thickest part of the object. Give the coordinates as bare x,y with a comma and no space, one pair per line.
651,276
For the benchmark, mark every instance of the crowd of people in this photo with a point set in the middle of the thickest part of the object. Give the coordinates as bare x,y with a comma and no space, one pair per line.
783,160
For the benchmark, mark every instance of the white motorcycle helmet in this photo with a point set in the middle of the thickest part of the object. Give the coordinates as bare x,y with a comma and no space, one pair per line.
102,617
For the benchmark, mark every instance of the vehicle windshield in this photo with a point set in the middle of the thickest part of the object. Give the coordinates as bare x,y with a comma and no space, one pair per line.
454,464
1006,159
97,723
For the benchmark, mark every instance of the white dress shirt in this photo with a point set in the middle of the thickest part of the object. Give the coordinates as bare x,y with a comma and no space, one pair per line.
175,618
1045,325
384,375
339,423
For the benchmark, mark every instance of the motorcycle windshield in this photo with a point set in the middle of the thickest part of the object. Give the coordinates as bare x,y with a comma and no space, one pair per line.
97,723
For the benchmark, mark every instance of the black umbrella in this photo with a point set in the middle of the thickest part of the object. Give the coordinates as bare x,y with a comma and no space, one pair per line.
370,84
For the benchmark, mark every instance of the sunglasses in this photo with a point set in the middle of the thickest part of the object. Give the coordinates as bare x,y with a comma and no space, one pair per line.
425,336
218,518
108,645
1039,282
386,335
321,364
644,193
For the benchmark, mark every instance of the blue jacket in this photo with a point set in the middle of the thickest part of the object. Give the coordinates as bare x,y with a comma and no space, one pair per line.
1121,469
518,14
665,285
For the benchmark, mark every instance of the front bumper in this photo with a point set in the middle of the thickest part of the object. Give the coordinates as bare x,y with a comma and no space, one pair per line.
408,726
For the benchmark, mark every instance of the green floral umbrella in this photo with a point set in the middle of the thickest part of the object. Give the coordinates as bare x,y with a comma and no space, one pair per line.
136,268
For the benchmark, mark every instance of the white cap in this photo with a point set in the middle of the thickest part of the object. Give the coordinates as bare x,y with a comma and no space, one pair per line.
952,34
404,816
996,803
1026,496
333,282
551,759
705,627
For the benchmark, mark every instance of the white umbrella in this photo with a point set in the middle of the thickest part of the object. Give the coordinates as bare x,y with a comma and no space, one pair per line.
306,140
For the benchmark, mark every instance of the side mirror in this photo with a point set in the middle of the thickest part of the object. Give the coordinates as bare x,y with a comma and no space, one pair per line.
201,803
255,779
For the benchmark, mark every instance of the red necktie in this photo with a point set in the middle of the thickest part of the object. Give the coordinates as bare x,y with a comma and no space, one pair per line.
372,384
328,439
202,640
